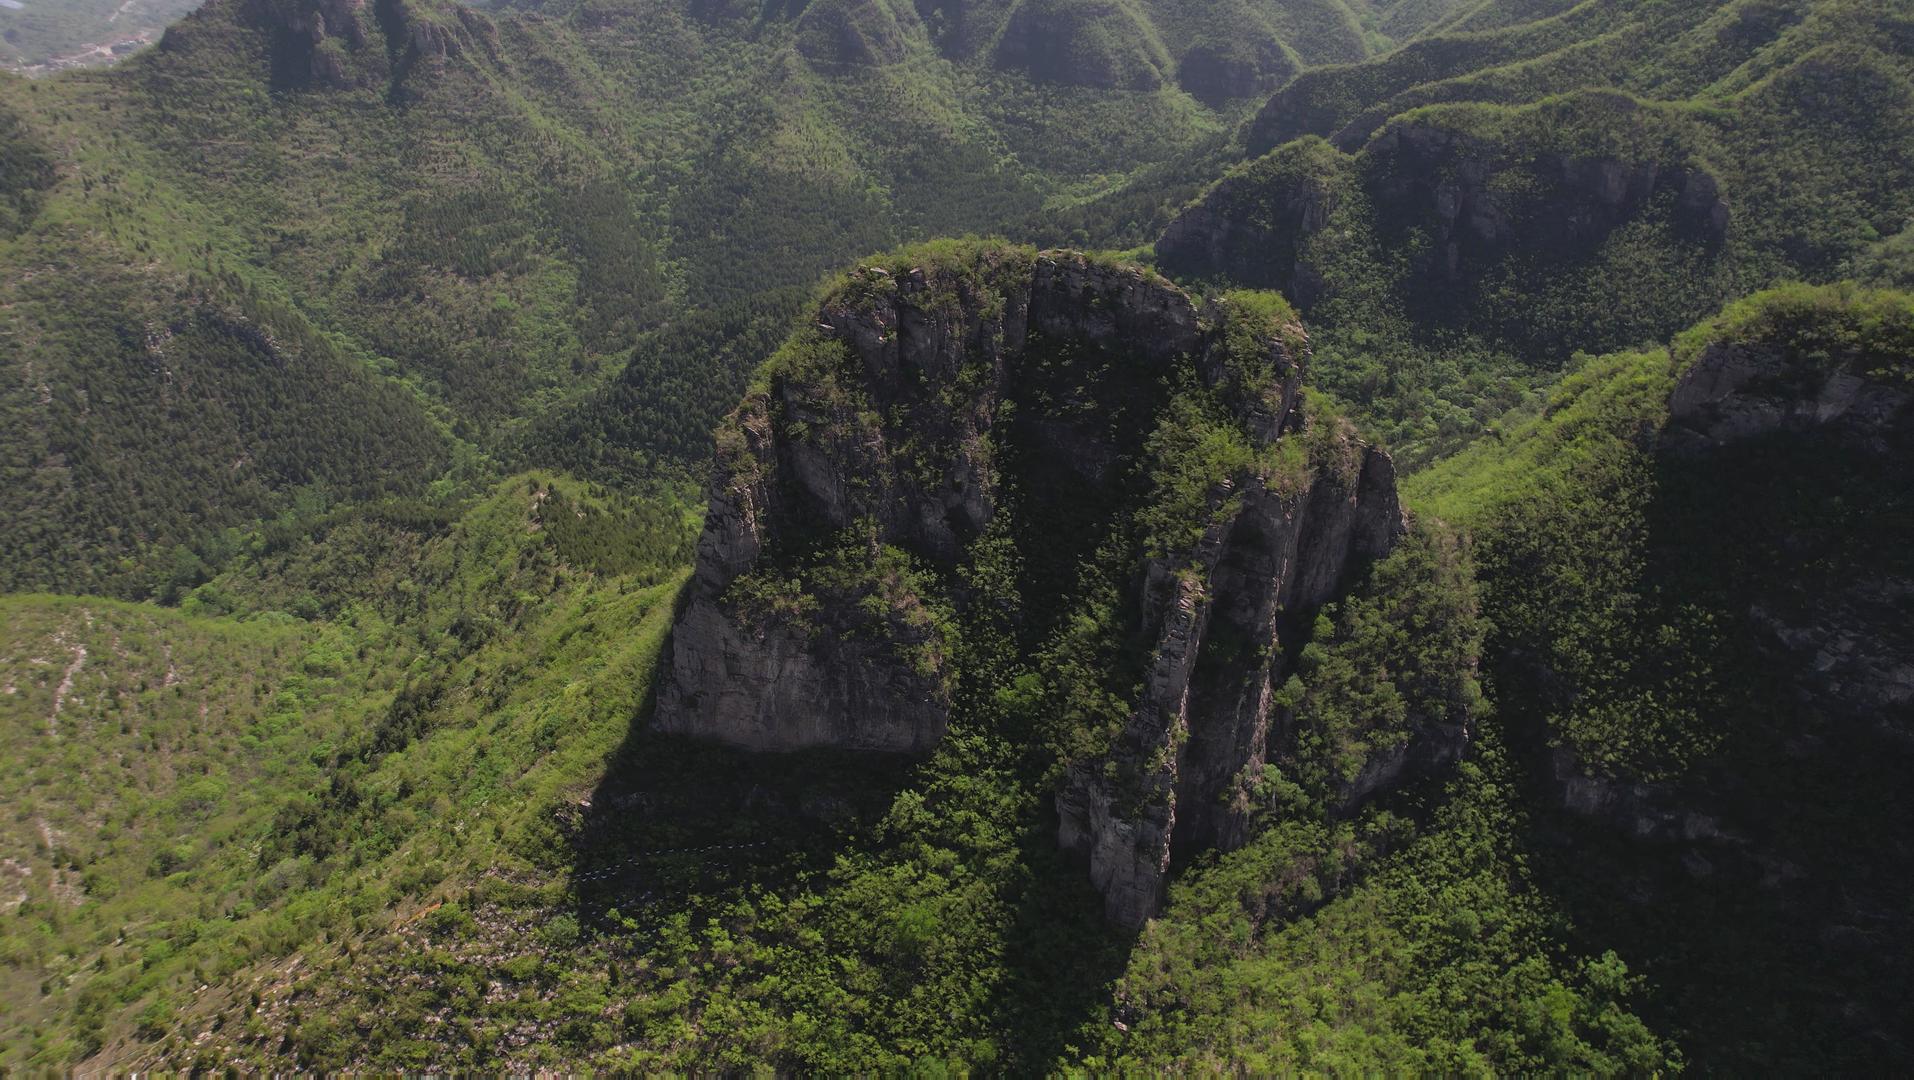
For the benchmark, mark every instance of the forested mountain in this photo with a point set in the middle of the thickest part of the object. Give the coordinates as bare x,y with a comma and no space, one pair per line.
483,216
1592,180
501,576
1696,564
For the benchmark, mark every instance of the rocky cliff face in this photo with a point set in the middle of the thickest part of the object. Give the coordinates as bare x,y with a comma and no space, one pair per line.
1780,508
857,483
1472,202
343,44
1817,572
1254,224
1222,619
1463,188
883,418
1451,213
310,42
1735,391
1852,647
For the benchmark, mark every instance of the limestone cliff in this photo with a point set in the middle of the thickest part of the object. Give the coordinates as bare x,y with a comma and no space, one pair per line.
1254,224
1483,199
1733,391
1223,617
1450,212
1473,203
1780,471
1835,397
1100,422
881,417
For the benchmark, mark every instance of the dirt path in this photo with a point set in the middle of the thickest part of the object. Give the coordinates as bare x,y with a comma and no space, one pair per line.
65,688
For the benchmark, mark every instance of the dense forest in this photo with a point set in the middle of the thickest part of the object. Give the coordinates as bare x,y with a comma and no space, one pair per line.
530,545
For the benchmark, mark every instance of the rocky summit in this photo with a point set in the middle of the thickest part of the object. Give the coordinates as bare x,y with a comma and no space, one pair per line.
877,454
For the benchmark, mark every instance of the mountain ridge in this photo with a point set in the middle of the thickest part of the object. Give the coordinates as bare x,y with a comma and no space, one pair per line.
1074,682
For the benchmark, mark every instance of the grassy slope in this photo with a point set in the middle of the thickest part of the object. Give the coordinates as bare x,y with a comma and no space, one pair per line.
164,386
1444,955
212,744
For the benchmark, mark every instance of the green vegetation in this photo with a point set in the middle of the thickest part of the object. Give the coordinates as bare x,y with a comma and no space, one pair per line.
356,388
1400,651
1585,579
1642,598
827,912
248,271
1459,217
26,170
1564,562
1869,332
266,786
889,598
1441,954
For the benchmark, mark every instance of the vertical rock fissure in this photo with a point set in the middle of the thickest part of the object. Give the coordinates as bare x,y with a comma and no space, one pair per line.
927,402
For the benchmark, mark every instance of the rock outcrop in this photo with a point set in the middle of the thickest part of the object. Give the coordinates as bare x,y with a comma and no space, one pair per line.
1253,225
1473,203
768,682
342,45
1734,391
1454,212
863,425
882,443
1222,617
1852,647
1447,182
310,41
1806,403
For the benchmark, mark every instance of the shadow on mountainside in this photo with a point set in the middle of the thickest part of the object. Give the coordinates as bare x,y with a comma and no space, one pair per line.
682,825
1774,931
1063,960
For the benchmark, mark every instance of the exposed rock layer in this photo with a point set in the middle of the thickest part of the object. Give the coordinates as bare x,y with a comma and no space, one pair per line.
1842,648
1471,202
924,395
1852,647
874,438
1221,618
343,44
1735,391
